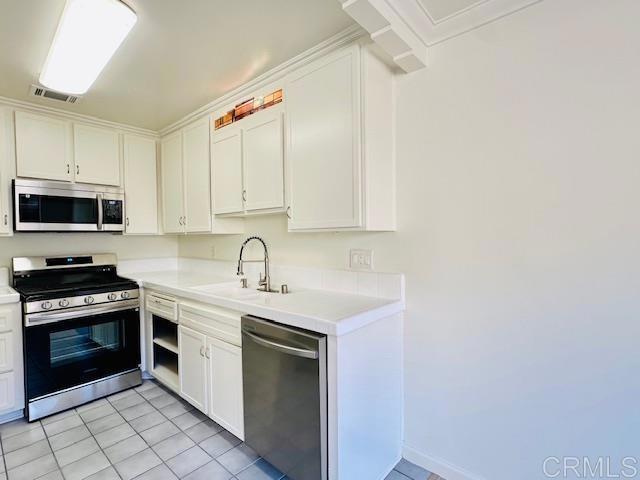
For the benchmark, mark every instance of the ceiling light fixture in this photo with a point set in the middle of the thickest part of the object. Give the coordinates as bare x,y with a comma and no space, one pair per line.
89,33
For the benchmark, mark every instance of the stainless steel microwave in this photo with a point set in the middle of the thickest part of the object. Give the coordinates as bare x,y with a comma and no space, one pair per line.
45,206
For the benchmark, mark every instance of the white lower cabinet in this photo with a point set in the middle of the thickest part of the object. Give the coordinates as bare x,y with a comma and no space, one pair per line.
225,385
210,363
192,367
11,363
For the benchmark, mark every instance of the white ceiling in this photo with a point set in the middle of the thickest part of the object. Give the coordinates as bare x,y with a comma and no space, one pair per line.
180,55
440,10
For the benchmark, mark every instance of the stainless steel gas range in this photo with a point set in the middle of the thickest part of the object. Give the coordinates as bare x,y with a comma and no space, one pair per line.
81,327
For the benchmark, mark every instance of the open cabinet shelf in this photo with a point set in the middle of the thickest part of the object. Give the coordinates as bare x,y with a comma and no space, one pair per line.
165,351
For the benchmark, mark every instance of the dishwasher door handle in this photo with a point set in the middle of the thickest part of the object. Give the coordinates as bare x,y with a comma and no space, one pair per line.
298,352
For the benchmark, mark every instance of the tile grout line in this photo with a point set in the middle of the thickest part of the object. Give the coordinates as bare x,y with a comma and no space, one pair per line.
136,433
180,430
175,400
162,462
178,400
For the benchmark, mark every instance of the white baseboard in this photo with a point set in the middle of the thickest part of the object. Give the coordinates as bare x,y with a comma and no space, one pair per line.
8,417
390,468
437,465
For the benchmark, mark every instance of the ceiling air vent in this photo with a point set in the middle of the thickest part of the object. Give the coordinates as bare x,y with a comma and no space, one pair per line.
38,91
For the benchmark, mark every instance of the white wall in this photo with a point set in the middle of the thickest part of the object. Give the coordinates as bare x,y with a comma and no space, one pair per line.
518,185
126,247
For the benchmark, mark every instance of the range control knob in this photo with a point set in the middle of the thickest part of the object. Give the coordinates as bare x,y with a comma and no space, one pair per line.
63,303
89,300
112,296
46,305
125,295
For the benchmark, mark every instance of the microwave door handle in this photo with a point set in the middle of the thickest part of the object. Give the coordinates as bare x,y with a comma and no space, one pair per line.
100,211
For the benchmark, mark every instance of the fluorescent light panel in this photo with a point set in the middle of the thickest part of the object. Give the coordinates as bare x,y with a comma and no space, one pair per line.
89,33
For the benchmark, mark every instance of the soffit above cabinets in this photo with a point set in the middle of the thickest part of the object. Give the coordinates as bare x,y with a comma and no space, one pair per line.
406,28
179,56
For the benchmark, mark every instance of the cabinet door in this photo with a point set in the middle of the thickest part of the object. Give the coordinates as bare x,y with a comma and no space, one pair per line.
97,155
263,160
6,169
171,171
226,158
197,176
225,385
324,144
44,147
140,185
192,367
7,392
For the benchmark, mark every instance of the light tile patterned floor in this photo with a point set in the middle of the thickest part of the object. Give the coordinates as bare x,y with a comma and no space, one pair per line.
147,433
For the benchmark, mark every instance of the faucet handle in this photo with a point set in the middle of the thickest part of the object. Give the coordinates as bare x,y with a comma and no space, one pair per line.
243,283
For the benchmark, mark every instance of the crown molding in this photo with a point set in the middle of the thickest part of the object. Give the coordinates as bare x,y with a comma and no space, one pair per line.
470,18
339,40
86,119
405,28
390,31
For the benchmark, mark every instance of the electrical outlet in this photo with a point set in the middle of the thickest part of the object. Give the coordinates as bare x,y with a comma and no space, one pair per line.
360,259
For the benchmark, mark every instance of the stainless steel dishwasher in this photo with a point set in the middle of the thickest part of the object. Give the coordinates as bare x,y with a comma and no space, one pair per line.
284,373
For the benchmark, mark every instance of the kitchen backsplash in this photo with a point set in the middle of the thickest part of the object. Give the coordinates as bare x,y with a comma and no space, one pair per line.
373,284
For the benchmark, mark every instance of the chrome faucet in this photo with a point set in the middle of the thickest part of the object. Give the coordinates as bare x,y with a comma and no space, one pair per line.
265,282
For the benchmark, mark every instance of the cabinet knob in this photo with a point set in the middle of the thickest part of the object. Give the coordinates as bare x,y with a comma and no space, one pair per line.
68,169
127,221
206,353
6,219
289,213
77,169
244,195
202,351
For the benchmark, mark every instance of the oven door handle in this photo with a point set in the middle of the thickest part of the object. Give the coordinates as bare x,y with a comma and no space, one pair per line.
43,318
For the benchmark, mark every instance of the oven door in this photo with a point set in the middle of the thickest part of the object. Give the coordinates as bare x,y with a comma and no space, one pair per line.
71,348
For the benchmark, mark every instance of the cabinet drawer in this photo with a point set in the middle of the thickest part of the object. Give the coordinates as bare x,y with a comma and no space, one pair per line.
213,321
6,351
162,306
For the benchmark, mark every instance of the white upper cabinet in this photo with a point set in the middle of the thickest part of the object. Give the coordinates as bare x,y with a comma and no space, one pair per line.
186,183
248,164
263,160
226,158
340,148
172,183
6,171
140,185
49,148
196,170
44,147
97,155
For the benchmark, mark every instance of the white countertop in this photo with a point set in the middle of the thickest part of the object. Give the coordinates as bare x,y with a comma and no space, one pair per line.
327,312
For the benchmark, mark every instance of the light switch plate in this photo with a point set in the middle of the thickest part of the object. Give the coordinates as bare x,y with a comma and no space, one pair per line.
361,259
